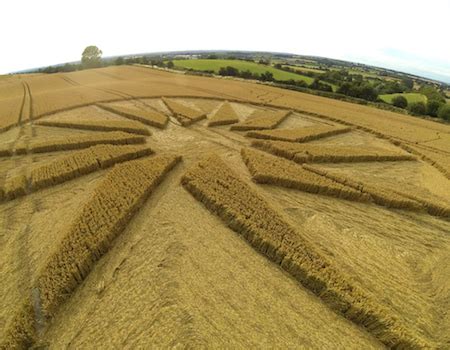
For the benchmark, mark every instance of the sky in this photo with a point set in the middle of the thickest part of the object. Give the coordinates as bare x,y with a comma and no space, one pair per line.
406,35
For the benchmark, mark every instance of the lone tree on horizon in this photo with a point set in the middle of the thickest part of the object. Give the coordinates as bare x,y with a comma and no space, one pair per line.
91,57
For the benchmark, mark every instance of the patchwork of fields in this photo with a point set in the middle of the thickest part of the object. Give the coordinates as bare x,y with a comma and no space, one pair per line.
256,68
411,97
142,208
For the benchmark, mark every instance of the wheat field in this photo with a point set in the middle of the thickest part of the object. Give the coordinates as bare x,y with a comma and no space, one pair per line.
147,209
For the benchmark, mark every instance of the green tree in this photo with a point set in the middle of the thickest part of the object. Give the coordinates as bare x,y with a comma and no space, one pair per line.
229,71
444,112
408,83
400,101
417,108
433,107
267,76
432,93
170,64
91,57
119,61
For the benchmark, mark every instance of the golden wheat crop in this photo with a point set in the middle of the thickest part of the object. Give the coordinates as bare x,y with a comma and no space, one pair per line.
12,99
83,162
90,235
21,146
225,194
184,114
5,151
262,119
96,125
302,153
384,270
224,115
84,141
381,196
269,169
386,196
50,101
147,116
15,186
70,166
10,112
439,159
299,134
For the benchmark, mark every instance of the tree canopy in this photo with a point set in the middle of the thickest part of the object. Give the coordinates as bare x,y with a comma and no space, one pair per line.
400,101
91,57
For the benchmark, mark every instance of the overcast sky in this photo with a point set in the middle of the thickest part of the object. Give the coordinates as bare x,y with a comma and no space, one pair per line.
411,36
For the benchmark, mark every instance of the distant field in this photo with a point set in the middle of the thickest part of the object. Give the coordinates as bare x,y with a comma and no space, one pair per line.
215,65
306,69
410,97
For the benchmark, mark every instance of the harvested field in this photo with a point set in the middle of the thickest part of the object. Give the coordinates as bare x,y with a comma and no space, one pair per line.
298,135
348,253
301,153
223,116
261,120
148,116
126,126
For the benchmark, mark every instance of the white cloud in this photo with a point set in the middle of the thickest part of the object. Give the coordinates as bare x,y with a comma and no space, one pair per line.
37,33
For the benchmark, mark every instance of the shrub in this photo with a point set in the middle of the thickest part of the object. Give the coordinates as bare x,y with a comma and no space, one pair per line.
418,108
444,112
400,101
318,85
267,76
229,71
433,107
